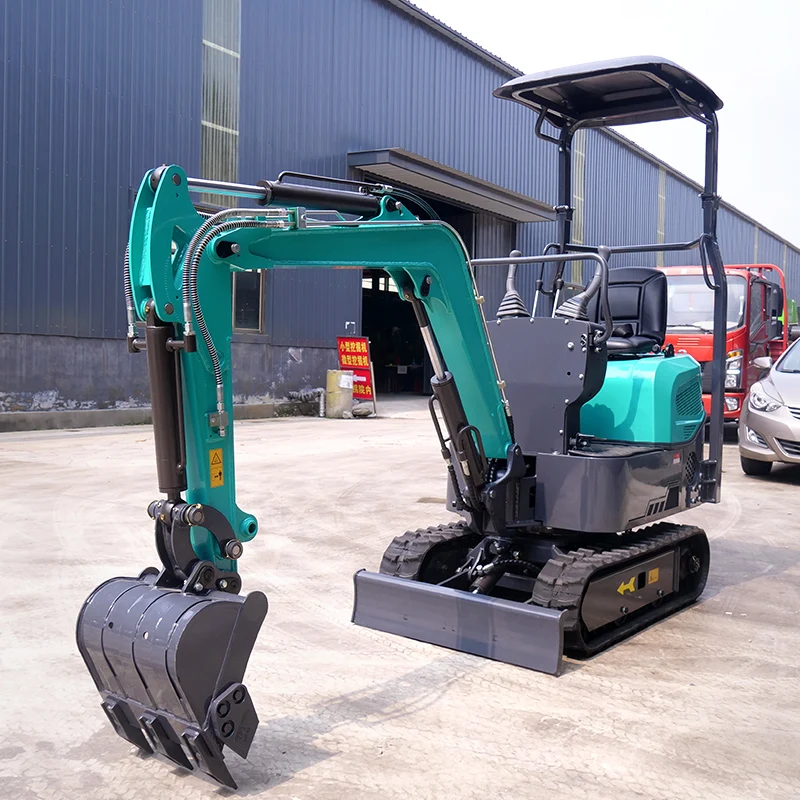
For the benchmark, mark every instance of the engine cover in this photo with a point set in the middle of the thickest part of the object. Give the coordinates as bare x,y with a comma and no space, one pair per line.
647,400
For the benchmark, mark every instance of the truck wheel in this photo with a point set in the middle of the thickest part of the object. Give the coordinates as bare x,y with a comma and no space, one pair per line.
752,467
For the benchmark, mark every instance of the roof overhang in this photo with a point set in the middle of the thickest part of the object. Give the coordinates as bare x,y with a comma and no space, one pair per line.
393,165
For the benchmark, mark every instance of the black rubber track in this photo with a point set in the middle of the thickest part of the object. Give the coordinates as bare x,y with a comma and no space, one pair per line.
416,554
433,554
563,581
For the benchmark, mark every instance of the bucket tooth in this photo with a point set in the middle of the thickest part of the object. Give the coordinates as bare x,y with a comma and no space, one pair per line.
165,662
163,738
125,724
208,755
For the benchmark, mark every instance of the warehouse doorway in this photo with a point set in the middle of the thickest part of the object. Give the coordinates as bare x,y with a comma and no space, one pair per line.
398,353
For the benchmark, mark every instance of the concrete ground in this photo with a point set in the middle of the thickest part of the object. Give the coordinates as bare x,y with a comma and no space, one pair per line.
704,705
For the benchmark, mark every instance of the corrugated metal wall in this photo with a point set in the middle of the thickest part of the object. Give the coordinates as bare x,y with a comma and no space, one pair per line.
345,75
683,220
793,273
85,111
737,237
741,240
770,249
94,92
621,197
311,307
348,75
493,238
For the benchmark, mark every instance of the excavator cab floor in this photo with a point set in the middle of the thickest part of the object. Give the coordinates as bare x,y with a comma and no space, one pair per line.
169,667
515,633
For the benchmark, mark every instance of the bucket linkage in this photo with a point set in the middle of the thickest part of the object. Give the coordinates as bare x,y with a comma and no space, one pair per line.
168,650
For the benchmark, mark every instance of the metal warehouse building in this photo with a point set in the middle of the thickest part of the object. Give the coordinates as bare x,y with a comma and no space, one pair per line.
95,92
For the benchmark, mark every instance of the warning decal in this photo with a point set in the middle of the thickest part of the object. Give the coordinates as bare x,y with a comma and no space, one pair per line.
215,465
627,586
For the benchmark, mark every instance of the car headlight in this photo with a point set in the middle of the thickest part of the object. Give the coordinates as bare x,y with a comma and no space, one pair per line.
733,369
760,401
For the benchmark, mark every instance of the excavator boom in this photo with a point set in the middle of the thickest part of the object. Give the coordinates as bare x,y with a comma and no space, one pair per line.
168,649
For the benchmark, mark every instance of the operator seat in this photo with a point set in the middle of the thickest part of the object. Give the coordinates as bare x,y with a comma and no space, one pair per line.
638,300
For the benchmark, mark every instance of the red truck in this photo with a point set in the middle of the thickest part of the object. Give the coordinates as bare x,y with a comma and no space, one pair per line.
756,324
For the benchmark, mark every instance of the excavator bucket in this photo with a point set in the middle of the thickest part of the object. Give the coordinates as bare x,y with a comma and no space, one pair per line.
515,633
169,666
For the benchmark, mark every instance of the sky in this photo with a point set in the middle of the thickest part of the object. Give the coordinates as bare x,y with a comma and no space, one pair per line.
747,52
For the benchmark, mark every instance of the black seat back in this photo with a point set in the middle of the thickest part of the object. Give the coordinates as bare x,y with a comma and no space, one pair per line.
638,298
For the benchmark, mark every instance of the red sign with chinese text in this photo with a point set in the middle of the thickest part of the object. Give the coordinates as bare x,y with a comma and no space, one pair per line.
354,355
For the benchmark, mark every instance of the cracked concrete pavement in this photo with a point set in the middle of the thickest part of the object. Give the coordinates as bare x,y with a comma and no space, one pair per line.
705,704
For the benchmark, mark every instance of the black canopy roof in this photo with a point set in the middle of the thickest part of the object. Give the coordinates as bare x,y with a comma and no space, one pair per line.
618,92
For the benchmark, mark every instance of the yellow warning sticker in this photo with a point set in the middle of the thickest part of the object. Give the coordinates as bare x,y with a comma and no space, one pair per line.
652,576
215,464
627,586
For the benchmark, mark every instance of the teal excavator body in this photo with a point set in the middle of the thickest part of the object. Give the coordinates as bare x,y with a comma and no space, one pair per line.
168,648
427,260
557,469
647,401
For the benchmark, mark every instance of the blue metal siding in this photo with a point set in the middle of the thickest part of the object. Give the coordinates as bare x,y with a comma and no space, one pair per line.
737,237
793,273
494,238
735,233
621,198
348,75
93,93
683,220
770,249
311,307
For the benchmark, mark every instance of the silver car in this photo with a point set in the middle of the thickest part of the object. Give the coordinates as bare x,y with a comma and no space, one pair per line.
769,426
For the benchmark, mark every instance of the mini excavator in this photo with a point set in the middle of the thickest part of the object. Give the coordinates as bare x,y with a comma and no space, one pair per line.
558,468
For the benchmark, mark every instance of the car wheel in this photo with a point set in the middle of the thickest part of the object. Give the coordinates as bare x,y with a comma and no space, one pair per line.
752,467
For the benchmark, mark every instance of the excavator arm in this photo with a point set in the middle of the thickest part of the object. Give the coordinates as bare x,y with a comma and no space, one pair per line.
168,649
426,260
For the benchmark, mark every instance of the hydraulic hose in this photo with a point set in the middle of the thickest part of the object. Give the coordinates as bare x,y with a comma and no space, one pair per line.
190,287
130,309
193,242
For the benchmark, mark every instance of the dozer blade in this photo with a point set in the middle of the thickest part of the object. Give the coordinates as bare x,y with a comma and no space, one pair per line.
169,666
515,633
